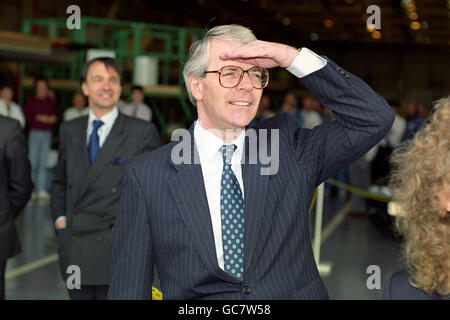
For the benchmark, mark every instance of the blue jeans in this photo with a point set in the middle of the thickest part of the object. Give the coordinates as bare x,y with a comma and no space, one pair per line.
39,144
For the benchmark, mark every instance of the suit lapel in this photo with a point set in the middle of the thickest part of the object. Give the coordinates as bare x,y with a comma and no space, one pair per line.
81,161
255,189
188,189
110,148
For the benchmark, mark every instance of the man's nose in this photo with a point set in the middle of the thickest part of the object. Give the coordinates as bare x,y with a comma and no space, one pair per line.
246,83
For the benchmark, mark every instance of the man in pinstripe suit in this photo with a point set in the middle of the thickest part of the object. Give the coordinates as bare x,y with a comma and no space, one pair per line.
171,214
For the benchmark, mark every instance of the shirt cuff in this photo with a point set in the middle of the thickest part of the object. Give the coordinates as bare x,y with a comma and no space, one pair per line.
306,63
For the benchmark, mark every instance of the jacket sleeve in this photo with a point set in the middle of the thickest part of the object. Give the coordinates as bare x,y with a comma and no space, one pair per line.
59,183
362,119
18,170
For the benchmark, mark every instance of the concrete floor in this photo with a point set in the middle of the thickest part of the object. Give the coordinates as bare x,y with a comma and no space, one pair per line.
352,246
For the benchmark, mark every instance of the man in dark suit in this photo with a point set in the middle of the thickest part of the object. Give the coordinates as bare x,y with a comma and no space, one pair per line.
219,226
87,182
15,189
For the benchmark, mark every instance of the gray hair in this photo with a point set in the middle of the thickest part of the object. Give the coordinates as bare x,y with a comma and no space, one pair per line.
199,52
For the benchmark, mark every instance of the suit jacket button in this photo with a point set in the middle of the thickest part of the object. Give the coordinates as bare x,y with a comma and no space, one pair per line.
247,290
99,238
113,190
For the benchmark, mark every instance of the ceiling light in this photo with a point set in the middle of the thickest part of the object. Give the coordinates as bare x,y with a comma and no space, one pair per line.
328,23
413,15
371,27
376,35
415,25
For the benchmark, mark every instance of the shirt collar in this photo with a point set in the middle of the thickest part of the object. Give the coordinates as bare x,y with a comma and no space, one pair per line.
108,118
208,144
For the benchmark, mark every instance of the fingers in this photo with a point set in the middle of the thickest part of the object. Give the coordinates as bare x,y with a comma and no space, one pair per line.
253,50
263,54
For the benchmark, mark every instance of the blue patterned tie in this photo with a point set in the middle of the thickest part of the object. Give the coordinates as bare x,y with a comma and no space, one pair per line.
232,214
94,144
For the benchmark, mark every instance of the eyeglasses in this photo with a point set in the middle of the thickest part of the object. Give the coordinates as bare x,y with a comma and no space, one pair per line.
231,76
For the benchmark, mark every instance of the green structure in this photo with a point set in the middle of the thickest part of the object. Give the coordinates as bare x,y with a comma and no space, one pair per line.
129,40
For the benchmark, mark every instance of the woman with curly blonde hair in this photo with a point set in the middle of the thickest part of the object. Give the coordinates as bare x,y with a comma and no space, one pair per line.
420,182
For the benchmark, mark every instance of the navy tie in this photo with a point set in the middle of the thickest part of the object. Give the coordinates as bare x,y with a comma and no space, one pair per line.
232,215
94,144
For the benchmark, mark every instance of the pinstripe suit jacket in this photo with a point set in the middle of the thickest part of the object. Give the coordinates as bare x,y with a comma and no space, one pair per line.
164,218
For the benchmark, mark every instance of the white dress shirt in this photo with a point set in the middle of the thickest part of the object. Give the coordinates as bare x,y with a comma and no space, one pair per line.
395,135
140,111
310,119
210,155
209,150
108,120
14,111
73,113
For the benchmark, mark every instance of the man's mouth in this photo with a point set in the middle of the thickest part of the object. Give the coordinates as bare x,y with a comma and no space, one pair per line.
240,103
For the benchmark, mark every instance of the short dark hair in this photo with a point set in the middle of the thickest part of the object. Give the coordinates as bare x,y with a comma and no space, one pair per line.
107,61
137,87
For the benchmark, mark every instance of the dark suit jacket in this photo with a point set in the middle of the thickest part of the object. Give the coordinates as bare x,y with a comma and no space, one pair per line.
15,183
164,219
88,195
397,287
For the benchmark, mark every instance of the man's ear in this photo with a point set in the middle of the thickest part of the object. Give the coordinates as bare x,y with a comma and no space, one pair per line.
84,88
196,86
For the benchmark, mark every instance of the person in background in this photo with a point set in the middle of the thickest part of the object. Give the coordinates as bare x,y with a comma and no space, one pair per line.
394,137
137,108
15,189
420,182
9,108
380,165
414,121
422,111
40,114
290,105
310,116
79,108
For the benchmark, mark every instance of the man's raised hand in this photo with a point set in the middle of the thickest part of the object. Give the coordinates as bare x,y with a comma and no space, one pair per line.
263,54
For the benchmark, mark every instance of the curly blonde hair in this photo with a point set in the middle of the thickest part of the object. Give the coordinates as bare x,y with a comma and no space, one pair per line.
420,177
